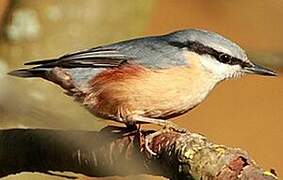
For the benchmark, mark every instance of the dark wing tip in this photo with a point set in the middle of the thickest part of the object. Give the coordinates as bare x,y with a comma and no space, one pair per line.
27,73
21,73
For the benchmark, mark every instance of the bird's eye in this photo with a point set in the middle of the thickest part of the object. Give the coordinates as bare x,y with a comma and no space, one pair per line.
225,58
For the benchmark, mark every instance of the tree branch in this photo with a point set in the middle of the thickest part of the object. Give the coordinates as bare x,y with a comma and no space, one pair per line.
119,151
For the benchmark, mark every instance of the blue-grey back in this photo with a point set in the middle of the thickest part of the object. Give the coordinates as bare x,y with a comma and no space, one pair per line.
151,52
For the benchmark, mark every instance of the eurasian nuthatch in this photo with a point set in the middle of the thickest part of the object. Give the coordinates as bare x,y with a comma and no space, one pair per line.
149,79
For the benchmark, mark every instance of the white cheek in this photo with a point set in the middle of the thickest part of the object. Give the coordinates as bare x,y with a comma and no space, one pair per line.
218,69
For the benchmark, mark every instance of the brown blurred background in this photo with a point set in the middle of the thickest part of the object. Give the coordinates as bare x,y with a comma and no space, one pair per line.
245,113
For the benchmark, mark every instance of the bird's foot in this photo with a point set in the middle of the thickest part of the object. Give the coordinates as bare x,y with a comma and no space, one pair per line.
174,127
169,127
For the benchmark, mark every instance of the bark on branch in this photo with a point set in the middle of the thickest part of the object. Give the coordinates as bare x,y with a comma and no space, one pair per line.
118,151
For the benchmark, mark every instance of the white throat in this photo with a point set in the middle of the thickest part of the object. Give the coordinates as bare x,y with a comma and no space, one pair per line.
219,70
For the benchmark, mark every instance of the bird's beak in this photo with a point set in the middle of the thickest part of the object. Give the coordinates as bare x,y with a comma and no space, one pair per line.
257,69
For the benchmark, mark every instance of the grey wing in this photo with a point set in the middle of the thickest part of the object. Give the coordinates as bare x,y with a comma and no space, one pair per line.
150,52
95,57
82,66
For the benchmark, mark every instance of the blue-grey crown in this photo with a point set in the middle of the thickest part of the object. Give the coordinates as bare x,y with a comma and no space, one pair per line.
209,39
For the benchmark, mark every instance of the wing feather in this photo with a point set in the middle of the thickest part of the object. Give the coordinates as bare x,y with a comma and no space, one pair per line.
150,52
95,57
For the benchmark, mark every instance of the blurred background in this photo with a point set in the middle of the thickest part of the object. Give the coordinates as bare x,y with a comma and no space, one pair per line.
245,113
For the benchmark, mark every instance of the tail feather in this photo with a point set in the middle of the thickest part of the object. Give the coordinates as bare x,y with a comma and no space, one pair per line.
70,79
28,73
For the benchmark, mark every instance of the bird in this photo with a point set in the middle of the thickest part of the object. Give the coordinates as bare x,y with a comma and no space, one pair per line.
148,79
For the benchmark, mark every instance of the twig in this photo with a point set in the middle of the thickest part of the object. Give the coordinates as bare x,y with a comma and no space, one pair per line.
119,151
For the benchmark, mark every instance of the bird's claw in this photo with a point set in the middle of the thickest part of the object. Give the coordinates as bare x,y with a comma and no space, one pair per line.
167,128
147,142
173,127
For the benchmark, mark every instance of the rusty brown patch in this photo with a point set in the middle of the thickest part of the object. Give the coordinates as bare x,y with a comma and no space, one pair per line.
103,98
117,74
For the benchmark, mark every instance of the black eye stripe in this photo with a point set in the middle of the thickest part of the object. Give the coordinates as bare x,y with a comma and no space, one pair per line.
227,59
202,49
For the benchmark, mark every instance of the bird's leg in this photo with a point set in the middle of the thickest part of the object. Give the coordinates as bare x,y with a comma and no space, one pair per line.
167,126
137,119
132,126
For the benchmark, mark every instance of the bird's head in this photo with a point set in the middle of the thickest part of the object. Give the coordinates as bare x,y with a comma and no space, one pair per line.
218,55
